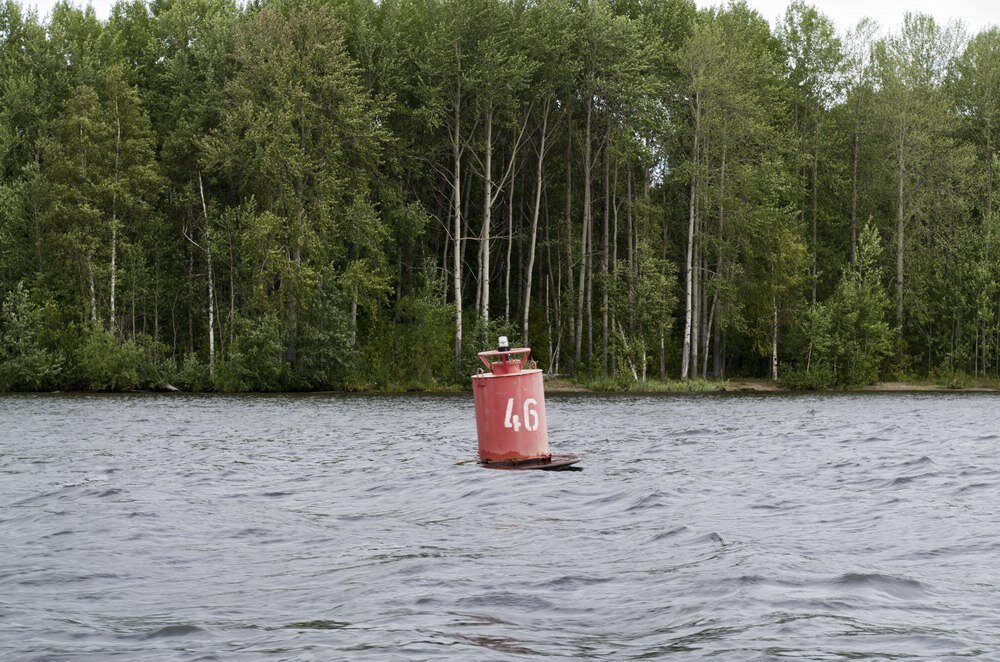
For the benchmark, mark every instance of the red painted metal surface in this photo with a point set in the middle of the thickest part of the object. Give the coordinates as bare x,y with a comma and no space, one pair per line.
510,409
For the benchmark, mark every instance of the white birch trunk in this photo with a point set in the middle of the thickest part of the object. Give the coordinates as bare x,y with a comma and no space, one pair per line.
456,150
114,215
484,239
689,261
774,343
211,282
93,289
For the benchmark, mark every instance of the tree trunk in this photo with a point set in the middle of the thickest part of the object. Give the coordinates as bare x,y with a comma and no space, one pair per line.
590,292
93,289
707,335
456,153
774,342
855,149
484,239
554,353
628,355
585,236
548,319
663,355
156,299
718,363
614,252
539,179
815,220
569,223
190,266
352,332
689,285
114,215
630,221
211,282
510,248
232,295
689,259
696,314
605,254
900,229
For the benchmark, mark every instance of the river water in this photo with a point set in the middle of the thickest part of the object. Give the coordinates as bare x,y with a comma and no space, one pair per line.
325,527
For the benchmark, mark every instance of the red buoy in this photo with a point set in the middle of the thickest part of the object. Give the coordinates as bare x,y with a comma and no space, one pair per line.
510,412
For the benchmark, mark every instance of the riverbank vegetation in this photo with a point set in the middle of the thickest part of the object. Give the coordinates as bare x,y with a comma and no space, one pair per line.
318,194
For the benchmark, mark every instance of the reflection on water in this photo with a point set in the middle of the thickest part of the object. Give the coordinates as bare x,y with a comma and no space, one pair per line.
332,527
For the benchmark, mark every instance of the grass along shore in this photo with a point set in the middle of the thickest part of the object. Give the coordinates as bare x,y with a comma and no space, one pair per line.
940,384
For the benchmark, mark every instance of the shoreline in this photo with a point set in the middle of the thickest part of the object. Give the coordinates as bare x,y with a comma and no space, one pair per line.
749,385
560,385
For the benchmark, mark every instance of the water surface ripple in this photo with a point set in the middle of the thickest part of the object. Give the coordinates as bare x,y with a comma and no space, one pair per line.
345,527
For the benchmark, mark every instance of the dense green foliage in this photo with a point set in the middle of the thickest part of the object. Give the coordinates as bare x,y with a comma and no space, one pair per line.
313,194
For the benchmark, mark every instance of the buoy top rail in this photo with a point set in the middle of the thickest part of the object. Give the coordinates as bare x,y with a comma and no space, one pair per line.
509,361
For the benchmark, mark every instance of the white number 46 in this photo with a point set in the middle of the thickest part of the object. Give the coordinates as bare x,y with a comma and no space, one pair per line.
530,419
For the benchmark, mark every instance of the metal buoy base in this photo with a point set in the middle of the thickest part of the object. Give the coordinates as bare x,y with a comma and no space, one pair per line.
553,462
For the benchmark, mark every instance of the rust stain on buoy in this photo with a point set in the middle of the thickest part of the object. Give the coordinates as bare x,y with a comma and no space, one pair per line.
510,412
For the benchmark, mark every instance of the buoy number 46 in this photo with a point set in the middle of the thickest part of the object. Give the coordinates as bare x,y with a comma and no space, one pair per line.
530,416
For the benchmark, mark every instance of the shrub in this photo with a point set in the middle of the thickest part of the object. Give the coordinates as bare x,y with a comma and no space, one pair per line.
255,362
850,337
104,364
26,360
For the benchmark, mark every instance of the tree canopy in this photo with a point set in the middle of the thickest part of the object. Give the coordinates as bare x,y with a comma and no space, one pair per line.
318,194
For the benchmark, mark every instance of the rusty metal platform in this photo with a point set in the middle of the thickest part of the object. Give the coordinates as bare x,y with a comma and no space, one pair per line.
553,463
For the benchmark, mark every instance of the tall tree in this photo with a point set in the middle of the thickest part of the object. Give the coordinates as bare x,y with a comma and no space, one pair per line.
299,137
911,70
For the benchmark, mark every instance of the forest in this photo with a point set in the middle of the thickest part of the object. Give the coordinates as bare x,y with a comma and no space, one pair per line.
363,194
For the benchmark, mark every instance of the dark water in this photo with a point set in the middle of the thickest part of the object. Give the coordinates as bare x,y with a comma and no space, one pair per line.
319,527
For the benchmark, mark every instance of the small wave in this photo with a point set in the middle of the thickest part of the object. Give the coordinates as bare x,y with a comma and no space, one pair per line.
573,581
974,486
919,462
663,535
506,599
59,533
318,625
761,580
905,480
712,537
175,631
252,532
466,618
781,505
651,500
695,431
900,587
501,645
56,578
609,498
